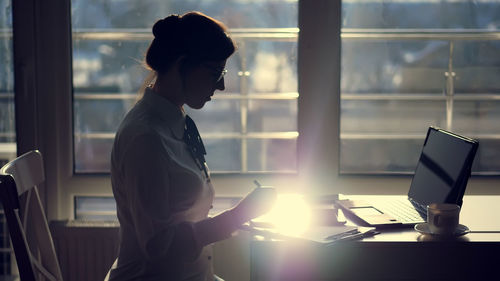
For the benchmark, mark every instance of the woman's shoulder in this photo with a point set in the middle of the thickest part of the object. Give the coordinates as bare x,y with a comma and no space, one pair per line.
146,132
133,127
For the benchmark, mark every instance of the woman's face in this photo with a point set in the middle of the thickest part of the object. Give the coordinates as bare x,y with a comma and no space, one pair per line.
201,81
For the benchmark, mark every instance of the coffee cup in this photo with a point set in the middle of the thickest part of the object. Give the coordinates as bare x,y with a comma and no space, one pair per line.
442,218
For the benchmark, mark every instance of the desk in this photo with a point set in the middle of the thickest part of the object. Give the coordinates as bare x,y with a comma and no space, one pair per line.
397,254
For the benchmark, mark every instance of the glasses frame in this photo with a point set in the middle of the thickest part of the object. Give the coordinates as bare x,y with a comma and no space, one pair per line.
222,74
215,69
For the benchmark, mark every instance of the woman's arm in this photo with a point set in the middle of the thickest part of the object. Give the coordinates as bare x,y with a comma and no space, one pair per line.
220,227
147,180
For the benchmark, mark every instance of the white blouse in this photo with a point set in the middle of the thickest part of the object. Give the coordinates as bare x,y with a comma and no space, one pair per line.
162,198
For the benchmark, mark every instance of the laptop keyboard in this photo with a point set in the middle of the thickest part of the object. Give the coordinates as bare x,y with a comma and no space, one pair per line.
404,210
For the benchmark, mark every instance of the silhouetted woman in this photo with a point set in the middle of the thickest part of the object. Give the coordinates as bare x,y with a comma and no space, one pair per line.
160,180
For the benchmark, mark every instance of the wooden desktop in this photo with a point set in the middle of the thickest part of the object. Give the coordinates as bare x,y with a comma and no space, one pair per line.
394,254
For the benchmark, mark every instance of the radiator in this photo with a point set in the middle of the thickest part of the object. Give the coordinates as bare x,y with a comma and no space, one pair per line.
86,250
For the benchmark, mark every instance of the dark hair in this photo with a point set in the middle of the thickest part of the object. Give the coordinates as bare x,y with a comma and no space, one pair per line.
194,35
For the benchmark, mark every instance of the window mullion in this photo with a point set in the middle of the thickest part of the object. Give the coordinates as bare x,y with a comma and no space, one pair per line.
243,105
450,89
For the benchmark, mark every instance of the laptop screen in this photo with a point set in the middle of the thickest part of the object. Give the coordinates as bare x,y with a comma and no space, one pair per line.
443,168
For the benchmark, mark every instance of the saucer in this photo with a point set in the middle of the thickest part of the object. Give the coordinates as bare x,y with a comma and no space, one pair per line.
459,231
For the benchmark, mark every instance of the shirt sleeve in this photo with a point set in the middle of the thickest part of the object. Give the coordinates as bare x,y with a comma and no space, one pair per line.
147,186
215,229
146,179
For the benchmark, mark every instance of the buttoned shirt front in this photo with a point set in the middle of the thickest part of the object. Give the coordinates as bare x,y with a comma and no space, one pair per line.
158,186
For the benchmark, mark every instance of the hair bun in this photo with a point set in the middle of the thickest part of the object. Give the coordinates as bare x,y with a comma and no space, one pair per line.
167,27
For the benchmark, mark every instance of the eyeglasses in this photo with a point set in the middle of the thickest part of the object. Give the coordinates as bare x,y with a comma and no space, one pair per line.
221,75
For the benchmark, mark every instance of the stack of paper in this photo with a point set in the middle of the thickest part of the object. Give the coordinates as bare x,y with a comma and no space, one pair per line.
318,234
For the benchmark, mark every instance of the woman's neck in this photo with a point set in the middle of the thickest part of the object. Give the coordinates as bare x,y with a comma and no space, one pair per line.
172,94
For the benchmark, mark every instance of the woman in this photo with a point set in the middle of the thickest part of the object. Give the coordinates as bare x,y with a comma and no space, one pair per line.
159,177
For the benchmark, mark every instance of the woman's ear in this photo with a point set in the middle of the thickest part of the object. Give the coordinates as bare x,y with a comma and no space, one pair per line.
181,65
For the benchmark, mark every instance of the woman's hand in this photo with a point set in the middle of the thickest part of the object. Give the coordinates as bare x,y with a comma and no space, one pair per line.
256,203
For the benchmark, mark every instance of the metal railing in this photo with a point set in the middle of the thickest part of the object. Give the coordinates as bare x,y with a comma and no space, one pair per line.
419,34
291,35
144,34
242,36
451,36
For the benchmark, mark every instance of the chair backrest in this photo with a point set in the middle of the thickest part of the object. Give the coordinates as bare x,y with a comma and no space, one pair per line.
29,232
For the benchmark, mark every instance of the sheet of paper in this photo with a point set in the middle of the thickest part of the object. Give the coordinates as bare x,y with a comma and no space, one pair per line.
328,234
318,234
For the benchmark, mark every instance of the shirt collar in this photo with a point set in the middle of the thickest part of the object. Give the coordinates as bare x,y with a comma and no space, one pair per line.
161,107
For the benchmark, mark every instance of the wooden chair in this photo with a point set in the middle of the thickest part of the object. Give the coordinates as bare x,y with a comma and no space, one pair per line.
29,232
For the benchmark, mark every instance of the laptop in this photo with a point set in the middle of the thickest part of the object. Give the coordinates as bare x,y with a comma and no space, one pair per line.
441,176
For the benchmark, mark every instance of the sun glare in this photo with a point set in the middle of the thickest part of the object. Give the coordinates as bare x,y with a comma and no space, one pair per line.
290,215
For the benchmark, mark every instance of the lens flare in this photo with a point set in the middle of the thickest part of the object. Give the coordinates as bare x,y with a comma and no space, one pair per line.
290,215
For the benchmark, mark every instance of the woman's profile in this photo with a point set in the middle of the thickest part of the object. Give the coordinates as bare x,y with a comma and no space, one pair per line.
159,177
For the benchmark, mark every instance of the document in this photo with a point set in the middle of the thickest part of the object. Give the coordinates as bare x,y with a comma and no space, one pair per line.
317,234
332,234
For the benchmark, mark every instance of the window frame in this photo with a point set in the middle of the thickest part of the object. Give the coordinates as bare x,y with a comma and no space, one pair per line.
42,63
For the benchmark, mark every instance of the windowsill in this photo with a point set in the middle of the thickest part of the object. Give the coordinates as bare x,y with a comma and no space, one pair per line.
84,223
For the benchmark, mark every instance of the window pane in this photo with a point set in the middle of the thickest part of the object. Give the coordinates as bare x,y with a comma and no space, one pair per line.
272,116
139,14
480,118
361,117
477,66
477,117
218,116
394,66
7,117
391,155
99,115
93,153
487,155
432,14
272,66
408,65
7,123
275,155
107,66
110,39
223,155
93,208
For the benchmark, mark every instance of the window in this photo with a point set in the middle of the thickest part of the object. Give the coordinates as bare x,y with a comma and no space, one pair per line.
407,65
250,127
48,45
7,128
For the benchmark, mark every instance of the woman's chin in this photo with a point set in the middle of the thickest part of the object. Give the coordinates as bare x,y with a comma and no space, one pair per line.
198,105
